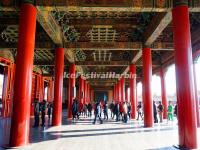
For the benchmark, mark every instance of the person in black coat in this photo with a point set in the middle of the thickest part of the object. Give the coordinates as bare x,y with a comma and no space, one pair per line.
89,107
97,113
36,113
43,111
49,112
116,110
105,110
74,109
112,107
155,112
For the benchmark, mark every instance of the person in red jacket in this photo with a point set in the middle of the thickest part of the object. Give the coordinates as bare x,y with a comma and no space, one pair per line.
80,108
121,110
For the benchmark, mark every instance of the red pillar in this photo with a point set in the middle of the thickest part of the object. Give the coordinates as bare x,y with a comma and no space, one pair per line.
119,91
72,88
85,92
58,87
132,81
81,89
184,77
122,89
136,95
196,96
163,93
19,134
113,92
89,98
126,94
146,87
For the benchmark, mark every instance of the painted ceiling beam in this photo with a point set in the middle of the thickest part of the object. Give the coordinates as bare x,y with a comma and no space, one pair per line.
95,46
153,31
102,63
102,6
117,46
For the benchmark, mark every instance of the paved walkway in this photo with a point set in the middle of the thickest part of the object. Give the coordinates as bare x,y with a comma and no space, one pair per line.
111,135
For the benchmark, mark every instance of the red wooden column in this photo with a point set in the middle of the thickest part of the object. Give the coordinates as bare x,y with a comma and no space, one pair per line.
71,88
122,89
187,122
50,95
81,89
146,87
196,96
113,92
136,95
89,100
119,91
163,93
132,70
58,87
19,134
126,93
85,92
85,89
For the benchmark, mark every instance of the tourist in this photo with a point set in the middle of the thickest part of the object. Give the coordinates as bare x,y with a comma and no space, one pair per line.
116,111
74,109
49,110
170,112
80,109
175,110
112,106
97,113
160,112
105,110
155,112
125,112
139,111
43,108
89,107
36,113
129,110
85,110
121,110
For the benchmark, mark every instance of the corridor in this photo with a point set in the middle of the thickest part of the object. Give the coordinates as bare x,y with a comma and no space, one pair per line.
83,135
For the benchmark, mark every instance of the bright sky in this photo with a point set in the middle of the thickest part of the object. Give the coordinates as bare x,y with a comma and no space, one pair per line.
1,85
170,81
197,69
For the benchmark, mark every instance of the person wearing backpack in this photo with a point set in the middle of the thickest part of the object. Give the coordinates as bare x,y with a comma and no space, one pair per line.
160,112
97,113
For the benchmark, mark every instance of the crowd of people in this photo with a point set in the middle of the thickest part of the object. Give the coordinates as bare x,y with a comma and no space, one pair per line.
40,111
119,111
158,110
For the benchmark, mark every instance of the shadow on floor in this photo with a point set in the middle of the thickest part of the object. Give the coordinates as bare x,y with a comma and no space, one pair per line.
46,136
163,148
41,134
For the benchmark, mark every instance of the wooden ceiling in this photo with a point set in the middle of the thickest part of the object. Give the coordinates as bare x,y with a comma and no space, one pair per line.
99,35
